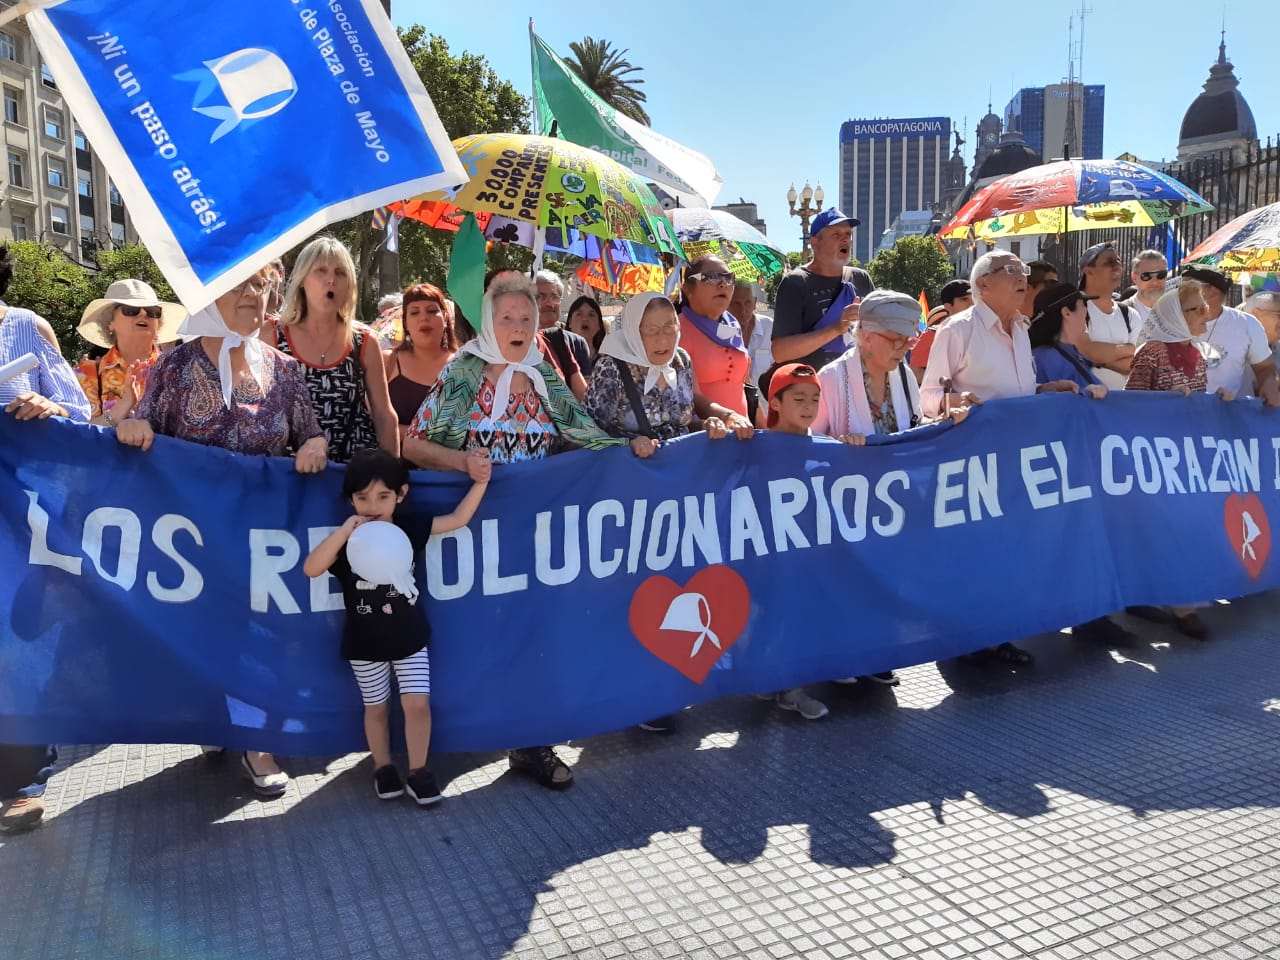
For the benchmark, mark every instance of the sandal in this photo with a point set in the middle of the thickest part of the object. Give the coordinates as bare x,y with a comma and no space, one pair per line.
542,764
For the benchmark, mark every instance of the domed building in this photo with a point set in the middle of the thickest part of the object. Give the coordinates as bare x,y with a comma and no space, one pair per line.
1012,155
1219,119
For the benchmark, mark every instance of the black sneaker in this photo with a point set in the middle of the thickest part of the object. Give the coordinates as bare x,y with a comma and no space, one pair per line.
888,678
422,787
387,783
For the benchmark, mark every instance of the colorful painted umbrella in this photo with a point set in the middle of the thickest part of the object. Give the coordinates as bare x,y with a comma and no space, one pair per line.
1248,244
553,183
1071,196
746,250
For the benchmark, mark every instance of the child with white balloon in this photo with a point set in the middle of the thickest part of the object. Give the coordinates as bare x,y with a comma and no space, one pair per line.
386,629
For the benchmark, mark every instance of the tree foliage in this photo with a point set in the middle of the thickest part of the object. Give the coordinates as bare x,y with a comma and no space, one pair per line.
911,265
470,98
609,73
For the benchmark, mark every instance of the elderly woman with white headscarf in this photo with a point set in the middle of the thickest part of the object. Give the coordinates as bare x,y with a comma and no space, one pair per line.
500,400
225,388
643,387
870,389
1170,357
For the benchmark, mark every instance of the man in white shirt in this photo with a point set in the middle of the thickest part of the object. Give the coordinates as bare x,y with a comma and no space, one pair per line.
983,353
757,330
1235,342
1148,274
1112,328
1265,308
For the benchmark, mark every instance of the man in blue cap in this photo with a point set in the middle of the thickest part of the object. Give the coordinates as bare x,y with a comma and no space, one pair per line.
817,304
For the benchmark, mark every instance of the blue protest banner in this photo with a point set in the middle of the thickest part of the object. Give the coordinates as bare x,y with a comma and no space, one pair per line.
159,596
236,132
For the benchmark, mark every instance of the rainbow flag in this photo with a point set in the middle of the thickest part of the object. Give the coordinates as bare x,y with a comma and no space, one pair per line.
924,311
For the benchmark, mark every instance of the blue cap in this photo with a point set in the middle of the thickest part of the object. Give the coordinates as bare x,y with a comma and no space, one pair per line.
830,217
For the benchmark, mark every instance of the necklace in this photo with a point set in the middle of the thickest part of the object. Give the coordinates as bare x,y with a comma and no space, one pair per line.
333,342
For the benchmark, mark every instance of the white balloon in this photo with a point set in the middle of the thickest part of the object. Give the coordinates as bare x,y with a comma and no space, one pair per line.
380,553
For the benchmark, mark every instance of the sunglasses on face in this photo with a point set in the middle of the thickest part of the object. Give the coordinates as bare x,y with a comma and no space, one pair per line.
1146,275
725,278
152,312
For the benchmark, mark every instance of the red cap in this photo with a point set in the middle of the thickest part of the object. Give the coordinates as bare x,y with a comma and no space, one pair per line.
788,375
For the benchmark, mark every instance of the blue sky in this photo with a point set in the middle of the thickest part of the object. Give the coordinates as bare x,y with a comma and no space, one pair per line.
762,88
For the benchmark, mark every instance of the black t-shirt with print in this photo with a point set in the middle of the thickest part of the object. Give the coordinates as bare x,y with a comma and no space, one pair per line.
382,624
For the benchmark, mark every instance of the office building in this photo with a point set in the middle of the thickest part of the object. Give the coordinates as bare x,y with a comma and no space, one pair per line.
888,166
744,211
55,188
1040,114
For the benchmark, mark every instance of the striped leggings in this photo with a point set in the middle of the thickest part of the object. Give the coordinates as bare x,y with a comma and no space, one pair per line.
413,675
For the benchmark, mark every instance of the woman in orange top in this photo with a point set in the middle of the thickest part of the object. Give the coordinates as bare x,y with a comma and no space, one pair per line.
131,322
713,338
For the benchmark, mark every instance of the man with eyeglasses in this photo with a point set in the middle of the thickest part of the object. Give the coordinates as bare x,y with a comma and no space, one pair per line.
1112,329
566,350
817,304
1235,343
1148,274
984,353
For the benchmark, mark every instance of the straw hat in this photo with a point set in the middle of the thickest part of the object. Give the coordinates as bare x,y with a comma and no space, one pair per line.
129,293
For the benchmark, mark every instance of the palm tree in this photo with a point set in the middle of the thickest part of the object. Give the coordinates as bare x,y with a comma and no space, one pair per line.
605,71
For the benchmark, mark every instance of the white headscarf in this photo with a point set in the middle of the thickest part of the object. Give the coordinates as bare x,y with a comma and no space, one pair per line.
485,346
625,343
209,323
1166,322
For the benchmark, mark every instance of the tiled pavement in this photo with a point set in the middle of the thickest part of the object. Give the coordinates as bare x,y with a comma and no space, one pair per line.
1094,805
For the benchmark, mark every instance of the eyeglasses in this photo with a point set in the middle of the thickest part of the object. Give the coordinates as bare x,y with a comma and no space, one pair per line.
1012,269
1146,275
256,286
724,278
898,342
152,312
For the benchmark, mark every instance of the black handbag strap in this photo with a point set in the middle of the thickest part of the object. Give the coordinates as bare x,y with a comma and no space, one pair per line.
1084,371
633,395
906,395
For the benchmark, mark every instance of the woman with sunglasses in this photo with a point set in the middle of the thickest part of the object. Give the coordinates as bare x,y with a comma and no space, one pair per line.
713,339
130,322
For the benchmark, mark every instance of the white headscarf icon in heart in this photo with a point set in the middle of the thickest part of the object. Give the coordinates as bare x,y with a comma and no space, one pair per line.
1251,533
690,613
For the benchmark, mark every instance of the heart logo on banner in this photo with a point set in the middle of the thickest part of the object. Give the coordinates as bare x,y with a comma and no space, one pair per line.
1249,531
691,627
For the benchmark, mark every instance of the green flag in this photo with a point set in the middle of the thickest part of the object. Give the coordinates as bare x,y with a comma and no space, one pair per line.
466,270
581,117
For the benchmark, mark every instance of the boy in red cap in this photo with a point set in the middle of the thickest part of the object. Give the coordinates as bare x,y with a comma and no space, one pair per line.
794,394
793,405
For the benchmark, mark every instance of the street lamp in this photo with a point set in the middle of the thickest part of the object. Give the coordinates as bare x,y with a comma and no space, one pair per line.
810,204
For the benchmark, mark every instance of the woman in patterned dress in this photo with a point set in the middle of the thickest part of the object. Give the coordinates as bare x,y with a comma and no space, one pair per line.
645,349
131,322
342,359
501,401
1170,358
224,388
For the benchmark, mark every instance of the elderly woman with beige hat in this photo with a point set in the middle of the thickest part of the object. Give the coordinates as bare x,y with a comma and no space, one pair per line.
130,322
870,389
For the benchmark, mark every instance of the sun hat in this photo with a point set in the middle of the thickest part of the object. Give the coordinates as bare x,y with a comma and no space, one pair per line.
129,293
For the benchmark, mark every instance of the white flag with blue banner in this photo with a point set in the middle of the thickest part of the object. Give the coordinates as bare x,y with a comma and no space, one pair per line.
236,130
